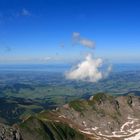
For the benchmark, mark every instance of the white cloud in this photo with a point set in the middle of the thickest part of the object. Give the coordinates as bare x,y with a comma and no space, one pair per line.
87,70
77,39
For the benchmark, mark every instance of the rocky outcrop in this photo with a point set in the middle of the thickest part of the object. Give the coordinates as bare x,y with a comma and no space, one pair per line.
106,116
9,133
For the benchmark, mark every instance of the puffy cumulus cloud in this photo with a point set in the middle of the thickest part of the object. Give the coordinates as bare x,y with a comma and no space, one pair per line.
77,39
88,70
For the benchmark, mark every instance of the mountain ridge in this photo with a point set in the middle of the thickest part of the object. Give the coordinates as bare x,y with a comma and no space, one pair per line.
102,117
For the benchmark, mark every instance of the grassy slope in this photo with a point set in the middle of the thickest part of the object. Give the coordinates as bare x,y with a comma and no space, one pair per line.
38,129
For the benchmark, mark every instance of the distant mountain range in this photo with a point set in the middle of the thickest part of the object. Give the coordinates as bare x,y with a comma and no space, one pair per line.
102,117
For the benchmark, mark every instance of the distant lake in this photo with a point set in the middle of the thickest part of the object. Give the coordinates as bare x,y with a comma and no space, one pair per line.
63,67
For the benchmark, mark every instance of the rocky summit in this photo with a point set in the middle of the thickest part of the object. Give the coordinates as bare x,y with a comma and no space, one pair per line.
9,133
102,117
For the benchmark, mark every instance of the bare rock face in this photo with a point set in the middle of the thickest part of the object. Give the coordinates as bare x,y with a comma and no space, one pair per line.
106,116
9,133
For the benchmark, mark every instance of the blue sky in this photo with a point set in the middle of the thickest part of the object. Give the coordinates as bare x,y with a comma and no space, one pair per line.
33,31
